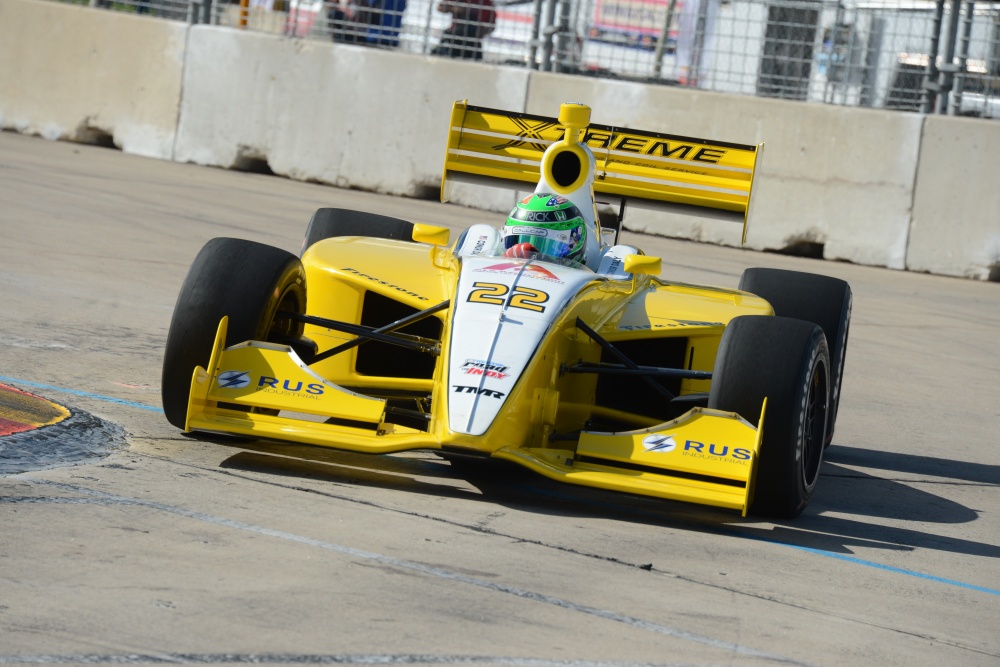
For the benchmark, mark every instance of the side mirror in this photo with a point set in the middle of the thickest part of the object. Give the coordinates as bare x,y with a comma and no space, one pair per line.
431,234
645,264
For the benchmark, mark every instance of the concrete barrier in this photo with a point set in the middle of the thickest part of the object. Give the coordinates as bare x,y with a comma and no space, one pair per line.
836,178
956,209
872,187
81,74
352,116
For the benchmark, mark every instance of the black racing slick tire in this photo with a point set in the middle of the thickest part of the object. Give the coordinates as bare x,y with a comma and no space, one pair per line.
788,362
328,223
818,299
247,281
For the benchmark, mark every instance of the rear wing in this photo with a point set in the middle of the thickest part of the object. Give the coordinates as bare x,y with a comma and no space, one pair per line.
646,169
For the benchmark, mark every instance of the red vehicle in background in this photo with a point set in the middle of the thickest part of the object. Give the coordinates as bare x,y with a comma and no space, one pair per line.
636,23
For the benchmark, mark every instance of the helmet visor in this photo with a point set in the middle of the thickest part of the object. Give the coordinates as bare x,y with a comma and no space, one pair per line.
554,243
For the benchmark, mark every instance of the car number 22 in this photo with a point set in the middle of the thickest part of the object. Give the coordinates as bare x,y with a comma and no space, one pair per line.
496,294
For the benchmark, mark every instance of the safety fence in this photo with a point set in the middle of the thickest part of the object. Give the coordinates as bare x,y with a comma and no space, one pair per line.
935,56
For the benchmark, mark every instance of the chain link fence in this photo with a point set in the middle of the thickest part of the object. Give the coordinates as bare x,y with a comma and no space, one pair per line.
934,56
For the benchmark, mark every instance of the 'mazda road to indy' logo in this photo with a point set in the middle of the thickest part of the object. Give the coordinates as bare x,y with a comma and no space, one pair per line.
532,270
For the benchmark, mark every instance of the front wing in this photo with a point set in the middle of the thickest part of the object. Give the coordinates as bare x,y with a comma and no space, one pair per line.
263,390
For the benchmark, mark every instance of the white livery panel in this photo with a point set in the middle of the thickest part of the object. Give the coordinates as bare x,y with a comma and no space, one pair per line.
503,308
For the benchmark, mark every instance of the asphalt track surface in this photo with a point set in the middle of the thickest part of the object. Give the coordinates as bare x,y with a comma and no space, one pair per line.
182,550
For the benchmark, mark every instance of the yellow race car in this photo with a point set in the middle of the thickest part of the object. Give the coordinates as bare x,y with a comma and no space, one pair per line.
543,341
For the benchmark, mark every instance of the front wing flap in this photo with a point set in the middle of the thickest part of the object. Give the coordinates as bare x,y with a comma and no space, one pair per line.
706,456
247,386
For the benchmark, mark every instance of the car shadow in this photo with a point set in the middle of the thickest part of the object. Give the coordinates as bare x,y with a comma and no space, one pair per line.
424,474
843,515
849,504
914,465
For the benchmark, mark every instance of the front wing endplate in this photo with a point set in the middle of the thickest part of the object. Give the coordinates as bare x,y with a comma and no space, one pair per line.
706,456
248,387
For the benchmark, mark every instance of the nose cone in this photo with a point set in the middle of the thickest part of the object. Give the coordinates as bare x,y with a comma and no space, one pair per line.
503,310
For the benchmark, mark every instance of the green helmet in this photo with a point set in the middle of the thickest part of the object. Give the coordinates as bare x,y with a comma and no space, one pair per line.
549,224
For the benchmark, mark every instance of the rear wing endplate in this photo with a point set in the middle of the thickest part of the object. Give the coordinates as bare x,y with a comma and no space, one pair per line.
646,169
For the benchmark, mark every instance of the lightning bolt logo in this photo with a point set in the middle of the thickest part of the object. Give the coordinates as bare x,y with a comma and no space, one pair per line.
233,379
659,443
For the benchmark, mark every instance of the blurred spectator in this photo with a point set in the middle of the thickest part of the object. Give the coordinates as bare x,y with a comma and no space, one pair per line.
343,27
386,18
696,41
471,21
366,21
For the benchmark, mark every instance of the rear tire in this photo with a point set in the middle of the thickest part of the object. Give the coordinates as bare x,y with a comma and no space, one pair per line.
818,299
786,361
332,222
247,281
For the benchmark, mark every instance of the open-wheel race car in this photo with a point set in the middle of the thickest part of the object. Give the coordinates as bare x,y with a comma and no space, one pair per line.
543,342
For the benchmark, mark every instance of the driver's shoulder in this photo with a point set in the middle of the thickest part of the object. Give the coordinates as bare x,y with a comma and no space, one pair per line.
479,240
611,260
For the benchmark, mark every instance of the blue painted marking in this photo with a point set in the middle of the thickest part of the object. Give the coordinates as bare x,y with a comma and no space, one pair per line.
889,568
75,392
818,552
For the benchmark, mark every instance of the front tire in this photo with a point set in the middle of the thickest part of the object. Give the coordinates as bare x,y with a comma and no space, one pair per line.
814,298
786,361
248,282
328,223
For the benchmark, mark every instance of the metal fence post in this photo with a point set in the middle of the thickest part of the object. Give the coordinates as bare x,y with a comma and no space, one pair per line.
948,67
536,31
661,43
547,33
563,40
929,89
955,107
698,49
993,61
199,11
425,46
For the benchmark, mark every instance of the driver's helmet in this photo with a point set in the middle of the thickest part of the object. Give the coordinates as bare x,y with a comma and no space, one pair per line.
547,224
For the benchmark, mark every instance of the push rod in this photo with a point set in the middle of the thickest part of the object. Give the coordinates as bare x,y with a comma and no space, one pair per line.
392,326
402,340
652,371
613,351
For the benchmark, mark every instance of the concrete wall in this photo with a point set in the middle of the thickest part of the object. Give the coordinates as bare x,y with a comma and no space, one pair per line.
348,115
70,72
956,207
838,177
880,188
